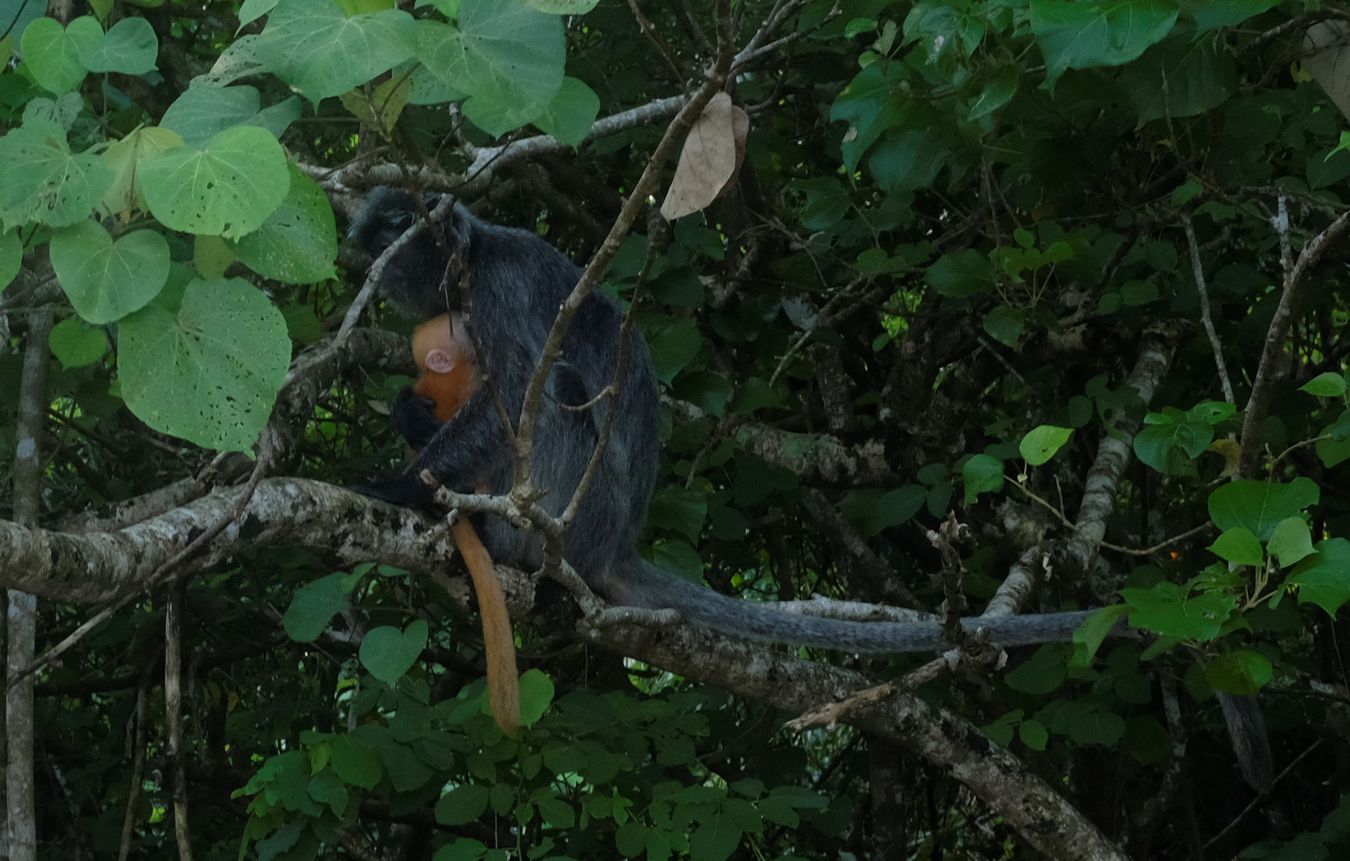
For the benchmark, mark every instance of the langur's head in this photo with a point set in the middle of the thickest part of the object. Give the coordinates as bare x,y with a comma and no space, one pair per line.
447,372
415,278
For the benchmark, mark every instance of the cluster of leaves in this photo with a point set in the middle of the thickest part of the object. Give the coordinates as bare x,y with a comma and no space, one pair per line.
952,227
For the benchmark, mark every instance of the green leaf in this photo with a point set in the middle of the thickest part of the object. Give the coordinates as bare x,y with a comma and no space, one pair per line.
77,345
1291,541
1260,505
314,605
981,474
571,113
536,694
1004,324
107,280
826,201
1033,734
462,849
1324,579
125,159
1172,440
11,257
40,180
506,57
1242,672
631,839
1042,673
562,7
959,274
995,94
1096,727
297,244
389,652
674,343
1041,443
355,762
679,509
872,510
1239,546
1092,633
205,110
228,187
129,47
706,390
1081,35
1181,77
1213,14
52,52
873,102
908,160
1325,385
715,839
252,10
1167,610
208,371
313,46
462,804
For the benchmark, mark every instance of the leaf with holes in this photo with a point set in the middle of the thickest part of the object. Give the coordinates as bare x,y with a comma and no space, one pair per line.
228,186
209,371
297,244
42,181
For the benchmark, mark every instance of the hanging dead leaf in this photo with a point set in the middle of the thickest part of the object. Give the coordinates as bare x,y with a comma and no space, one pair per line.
707,161
1328,60
740,130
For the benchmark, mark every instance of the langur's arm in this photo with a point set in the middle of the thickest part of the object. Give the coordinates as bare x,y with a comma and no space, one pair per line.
414,418
464,451
499,644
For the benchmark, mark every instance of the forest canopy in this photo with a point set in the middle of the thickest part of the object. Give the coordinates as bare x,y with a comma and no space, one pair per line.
992,309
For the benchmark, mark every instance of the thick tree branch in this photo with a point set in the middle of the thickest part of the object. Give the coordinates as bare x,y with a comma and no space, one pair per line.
1266,372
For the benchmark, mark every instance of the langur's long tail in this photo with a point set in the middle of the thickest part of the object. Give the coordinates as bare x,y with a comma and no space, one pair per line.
499,644
645,585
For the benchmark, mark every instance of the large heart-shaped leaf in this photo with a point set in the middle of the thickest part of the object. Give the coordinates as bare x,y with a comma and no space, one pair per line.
313,46
52,52
42,181
227,187
107,280
129,47
209,370
388,652
506,56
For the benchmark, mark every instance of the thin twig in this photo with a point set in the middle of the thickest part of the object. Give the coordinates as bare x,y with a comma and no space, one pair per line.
139,718
1206,320
637,199
173,714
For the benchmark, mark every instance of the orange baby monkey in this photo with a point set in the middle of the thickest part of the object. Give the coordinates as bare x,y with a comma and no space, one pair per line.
448,376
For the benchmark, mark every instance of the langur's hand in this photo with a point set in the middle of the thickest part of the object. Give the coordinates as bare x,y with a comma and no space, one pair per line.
403,489
414,418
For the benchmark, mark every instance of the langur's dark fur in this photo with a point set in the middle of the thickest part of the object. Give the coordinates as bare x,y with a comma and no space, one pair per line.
517,283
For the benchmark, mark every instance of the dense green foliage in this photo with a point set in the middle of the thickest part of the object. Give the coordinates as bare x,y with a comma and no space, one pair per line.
957,228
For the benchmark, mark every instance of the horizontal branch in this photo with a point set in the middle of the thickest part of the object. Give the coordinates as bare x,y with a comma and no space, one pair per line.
101,566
